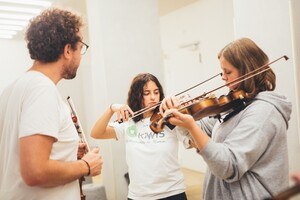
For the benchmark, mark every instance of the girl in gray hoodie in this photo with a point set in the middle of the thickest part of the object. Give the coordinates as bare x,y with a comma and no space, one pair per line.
246,151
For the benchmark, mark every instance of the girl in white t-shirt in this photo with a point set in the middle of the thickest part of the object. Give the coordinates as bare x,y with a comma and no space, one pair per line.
152,158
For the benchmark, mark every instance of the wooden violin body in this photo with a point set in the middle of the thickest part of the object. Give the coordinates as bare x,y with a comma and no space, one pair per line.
210,106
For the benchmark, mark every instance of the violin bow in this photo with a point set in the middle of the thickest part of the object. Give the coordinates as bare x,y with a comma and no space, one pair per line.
146,109
77,123
81,135
242,78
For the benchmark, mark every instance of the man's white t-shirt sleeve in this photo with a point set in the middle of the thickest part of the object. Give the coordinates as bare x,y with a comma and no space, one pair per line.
40,112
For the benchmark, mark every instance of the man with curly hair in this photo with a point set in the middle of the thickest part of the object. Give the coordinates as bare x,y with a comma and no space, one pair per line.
38,141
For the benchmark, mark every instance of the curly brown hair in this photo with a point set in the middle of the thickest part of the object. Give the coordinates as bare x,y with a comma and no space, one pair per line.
135,94
246,56
48,33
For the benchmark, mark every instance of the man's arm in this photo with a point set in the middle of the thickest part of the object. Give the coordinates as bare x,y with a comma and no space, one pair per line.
38,170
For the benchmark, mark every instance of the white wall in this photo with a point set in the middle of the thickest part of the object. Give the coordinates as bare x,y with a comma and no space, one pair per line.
124,39
14,59
270,28
209,22
295,31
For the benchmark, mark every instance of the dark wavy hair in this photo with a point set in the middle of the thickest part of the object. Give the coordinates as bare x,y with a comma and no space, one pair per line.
48,33
246,56
135,93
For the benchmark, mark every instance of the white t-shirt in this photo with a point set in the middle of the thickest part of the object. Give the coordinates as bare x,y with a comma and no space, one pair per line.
32,105
152,159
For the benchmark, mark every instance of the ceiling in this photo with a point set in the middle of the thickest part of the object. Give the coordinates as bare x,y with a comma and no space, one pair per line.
15,14
20,11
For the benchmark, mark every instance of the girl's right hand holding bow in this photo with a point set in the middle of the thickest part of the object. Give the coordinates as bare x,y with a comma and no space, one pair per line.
123,111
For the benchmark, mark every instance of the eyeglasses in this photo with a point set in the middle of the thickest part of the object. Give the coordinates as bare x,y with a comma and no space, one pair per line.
84,48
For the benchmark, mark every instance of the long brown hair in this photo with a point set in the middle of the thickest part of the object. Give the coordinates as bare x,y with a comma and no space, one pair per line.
135,93
246,56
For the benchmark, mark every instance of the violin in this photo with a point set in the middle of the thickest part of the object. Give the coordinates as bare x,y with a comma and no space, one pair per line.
203,106
81,135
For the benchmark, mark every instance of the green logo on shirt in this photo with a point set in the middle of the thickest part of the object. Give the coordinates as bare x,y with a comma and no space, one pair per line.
131,131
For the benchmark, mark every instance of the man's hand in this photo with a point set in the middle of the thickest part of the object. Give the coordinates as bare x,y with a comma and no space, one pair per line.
82,149
94,161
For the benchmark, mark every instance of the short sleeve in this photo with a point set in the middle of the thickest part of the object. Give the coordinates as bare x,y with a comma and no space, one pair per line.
119,129
40,112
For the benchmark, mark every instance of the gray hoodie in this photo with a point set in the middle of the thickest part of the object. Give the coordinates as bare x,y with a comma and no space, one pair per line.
247,155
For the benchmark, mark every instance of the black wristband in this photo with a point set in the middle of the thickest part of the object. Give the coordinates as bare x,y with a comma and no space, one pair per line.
89,168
